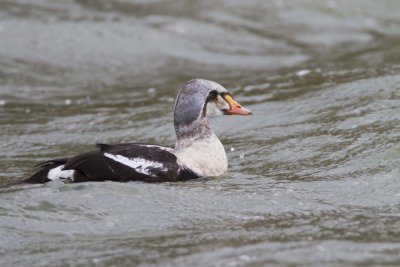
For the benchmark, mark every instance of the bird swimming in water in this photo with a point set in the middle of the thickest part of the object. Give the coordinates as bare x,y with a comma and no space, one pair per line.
198,152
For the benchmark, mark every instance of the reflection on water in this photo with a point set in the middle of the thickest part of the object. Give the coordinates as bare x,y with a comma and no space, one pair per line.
313,173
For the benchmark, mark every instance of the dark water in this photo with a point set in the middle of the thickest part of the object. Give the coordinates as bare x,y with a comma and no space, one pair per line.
314,173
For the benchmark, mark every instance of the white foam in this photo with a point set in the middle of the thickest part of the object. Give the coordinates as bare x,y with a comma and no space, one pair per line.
140,165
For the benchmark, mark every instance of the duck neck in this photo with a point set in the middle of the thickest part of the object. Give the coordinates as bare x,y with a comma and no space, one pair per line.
186,135
198,149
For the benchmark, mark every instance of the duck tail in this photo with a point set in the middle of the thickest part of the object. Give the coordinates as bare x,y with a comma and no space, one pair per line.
41,176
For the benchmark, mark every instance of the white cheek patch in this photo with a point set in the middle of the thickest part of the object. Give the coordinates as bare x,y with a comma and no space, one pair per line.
59,173
212,110
140,165
221,103
215,108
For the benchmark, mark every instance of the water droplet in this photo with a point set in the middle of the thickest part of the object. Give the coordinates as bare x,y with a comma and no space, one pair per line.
67,101
27,110
244,257
96,261
301,73
2,102
152,91
232,149
241,155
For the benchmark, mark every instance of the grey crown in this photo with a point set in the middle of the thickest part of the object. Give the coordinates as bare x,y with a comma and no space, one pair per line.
191,99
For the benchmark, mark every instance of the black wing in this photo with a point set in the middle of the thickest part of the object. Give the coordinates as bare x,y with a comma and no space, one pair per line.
128,162
120,162
41,175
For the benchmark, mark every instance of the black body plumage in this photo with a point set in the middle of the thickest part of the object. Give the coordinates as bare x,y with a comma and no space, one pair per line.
96,166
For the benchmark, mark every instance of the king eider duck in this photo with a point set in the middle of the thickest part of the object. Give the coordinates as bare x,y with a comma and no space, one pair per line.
198,152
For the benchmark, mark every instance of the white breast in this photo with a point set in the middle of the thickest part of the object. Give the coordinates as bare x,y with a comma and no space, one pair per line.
205,157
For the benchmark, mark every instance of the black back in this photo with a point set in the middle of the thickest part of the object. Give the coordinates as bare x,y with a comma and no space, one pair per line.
96,166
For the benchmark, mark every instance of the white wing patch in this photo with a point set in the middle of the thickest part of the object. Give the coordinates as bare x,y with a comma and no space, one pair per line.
160,147
59,173
140,165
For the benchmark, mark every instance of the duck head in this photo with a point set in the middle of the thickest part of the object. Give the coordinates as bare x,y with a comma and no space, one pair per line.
199,100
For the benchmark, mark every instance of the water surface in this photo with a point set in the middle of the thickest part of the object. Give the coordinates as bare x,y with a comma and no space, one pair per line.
314,173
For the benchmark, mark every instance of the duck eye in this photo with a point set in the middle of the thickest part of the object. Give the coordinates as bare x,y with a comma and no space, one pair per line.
214,93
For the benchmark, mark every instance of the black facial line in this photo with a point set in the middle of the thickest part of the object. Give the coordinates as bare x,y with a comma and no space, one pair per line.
212,96
224,94
209,98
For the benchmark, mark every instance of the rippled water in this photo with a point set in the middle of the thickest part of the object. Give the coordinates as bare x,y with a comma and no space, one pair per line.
314,173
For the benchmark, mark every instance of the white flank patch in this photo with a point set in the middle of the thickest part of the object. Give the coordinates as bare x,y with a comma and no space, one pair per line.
58,173
139,164
55,173
67,174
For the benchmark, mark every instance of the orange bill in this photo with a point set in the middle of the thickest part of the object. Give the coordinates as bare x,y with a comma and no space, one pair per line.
235,107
